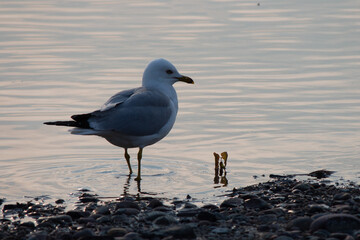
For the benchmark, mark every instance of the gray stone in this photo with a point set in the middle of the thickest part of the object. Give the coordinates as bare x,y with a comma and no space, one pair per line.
76,214
86,232
164,220
283,237
318,208
344,223
103,210
59,219
127,211
188,212
132,236
116,232
155,203
208,216
86,220
181,231
151,216
256,203
303,187
221,230
127,204
103,219
342,196
277,211
268,218
300,223
231,203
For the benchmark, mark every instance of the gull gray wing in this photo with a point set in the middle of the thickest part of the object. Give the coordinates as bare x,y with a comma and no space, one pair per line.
143,113
118,98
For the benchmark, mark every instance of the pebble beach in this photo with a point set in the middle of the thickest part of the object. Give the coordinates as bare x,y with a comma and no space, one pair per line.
280,209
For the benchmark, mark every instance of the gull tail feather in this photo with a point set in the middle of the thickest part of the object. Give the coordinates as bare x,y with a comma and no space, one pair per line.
64,123
80,121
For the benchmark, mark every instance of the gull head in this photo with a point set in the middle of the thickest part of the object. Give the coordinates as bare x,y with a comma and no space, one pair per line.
162,72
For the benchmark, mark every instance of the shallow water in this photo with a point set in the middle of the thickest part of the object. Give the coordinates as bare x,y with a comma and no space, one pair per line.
277,87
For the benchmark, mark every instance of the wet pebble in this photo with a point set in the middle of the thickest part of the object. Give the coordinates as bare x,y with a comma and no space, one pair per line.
127,204
282,209
76,214
256,203
103,210
127,211
116,232
165,220
206,215
83,234
300,223
155,203
182,231
343,223
231,203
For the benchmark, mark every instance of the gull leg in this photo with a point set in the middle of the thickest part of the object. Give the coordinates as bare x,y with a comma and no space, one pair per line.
138,178
127,157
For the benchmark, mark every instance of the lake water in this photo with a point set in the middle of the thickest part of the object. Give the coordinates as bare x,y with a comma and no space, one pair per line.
276,86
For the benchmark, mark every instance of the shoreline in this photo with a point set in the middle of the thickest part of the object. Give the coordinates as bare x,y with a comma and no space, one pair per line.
280,209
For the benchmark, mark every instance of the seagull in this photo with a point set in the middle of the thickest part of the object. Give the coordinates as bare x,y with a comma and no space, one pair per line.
137,117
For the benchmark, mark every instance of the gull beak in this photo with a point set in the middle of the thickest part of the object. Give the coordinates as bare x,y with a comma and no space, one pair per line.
185,79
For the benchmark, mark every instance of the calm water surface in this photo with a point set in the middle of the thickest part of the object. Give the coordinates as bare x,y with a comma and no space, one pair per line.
277,87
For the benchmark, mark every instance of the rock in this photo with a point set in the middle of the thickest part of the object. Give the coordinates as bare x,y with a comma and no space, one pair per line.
277,211
60,219
84,233
256,203
151,216
240,219
283,237
321,233
189,205
103,219
28,225
188,212
221,230
318,208
119,219
300,223
210,207
155,203
181,231
132,236
208,216
342,196
127,204
86,220
22,206
103,210
76,214
303,187
127,211
343,223
163,209
267,219
164,220
88,199
60,201
37,236
342,236
231,203
116,232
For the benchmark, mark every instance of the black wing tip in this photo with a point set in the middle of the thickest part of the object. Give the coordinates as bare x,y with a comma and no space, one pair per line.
80,121
63,123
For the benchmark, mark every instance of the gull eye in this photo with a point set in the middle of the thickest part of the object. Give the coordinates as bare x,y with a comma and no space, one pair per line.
169,71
